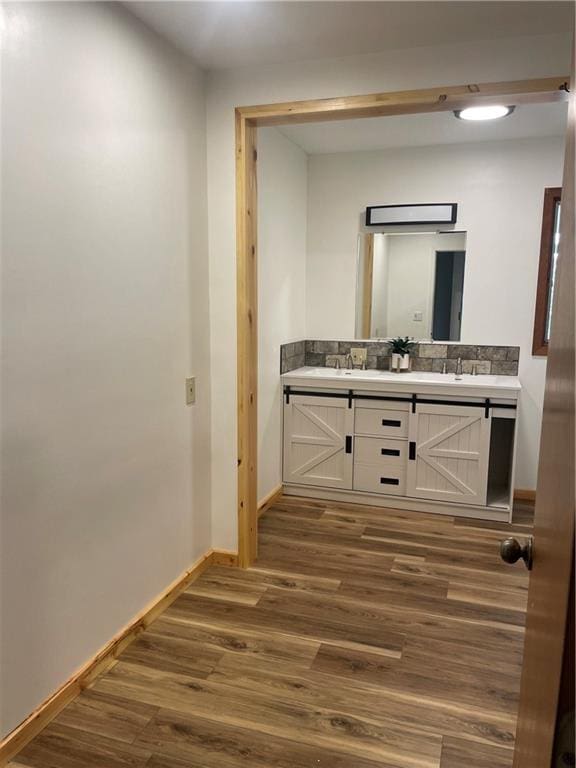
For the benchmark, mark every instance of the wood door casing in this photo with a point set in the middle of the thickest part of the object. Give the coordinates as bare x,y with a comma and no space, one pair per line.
550,579
315,431
452,444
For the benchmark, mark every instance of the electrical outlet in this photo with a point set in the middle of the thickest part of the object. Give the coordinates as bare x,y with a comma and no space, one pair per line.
418,317
191,390
358,355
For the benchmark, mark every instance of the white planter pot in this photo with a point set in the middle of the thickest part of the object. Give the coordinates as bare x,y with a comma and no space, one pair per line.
400,362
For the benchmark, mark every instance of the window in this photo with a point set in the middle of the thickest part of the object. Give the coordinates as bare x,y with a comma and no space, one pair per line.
547,270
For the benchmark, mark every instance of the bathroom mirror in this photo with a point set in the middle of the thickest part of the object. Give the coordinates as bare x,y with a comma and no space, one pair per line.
410,284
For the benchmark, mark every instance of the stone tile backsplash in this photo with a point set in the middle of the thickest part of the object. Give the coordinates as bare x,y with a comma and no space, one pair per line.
498,361
292,356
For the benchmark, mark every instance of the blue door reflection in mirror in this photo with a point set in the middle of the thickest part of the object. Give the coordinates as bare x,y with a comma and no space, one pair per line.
448,293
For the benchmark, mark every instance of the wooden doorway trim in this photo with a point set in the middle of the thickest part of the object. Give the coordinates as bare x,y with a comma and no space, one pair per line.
248,119
247,334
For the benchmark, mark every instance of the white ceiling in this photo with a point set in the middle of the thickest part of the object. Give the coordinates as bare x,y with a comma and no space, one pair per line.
527,121
220,34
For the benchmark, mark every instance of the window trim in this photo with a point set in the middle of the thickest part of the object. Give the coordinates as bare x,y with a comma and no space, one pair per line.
552,195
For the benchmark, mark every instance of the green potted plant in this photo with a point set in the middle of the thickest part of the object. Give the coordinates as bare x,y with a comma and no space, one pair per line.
401,348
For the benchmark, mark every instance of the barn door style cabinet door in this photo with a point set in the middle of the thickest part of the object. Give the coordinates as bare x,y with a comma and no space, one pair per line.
318,441
448,453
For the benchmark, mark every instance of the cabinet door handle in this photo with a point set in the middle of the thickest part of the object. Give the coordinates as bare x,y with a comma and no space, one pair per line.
390,481
390,452
391,423
348,443
412,451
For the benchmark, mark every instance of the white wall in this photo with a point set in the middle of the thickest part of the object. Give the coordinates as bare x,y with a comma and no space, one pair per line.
499,188
282,187
493,60
105,312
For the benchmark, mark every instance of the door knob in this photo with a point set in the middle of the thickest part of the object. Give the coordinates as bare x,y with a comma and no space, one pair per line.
511,551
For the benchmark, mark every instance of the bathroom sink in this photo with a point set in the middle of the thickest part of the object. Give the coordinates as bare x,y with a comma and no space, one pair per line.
329,372
342,375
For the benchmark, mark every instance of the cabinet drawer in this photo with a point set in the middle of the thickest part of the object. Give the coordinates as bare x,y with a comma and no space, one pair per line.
379,479
381,422
380,451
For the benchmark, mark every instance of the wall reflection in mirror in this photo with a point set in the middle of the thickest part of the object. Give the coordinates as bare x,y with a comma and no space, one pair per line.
410,284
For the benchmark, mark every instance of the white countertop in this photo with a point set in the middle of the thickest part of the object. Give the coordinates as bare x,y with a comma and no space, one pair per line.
507,386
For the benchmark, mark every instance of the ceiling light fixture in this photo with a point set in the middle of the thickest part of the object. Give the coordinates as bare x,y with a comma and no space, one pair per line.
483,113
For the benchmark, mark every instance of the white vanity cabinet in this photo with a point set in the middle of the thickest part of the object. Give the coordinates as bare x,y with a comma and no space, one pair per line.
433,444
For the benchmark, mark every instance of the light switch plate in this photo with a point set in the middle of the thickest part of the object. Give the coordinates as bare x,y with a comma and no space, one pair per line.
191,390
358,355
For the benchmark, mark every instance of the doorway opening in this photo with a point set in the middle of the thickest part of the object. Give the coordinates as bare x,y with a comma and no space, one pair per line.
248,120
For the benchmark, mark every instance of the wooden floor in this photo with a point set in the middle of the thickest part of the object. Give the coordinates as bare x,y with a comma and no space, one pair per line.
364,638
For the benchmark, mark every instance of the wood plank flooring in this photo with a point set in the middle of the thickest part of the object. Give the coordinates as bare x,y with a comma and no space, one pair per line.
363,638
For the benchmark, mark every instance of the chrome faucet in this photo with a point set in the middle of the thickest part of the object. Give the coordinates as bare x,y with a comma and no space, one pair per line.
459,368
349,362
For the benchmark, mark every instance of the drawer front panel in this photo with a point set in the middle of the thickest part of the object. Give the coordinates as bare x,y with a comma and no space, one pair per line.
380,451
381,422
384,479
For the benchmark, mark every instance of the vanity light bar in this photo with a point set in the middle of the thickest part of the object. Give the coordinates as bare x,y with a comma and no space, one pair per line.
417,213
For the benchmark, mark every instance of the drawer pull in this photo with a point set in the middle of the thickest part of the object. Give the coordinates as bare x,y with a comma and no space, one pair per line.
412,451
391,423
390,452
390,481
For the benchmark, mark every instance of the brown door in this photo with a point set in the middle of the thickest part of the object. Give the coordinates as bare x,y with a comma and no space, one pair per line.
550,579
